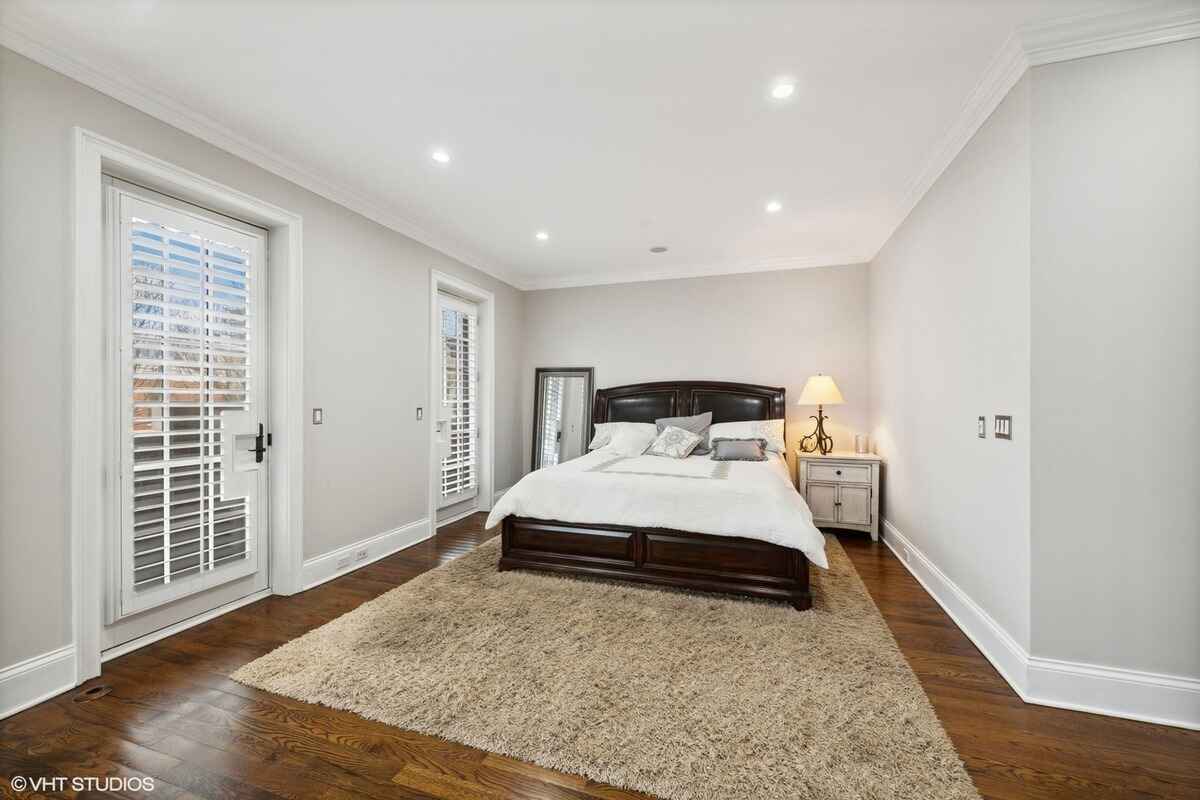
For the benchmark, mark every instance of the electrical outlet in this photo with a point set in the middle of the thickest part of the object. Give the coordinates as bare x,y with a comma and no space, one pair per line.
318,416
983,427
343,562
360,555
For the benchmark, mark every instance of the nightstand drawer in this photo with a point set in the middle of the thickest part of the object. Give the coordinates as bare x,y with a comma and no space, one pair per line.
840,473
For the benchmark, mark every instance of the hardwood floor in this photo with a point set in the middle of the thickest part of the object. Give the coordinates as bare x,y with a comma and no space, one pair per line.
172,714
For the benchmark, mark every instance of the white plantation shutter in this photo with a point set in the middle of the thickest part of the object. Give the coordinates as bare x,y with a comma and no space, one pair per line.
189,358
552,420
460,384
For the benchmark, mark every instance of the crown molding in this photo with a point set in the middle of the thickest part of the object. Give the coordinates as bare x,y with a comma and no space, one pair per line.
1048,43
22,35
704,271
1083,36
1031,46
1001,75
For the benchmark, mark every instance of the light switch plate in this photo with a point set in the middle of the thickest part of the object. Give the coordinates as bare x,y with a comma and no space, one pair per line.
1003,427
983,427
318,416
420,413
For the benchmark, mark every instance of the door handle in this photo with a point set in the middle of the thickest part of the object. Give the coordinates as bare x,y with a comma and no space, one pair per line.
259,445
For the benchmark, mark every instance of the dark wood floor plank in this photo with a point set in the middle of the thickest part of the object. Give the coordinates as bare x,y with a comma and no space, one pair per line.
79,756
173,714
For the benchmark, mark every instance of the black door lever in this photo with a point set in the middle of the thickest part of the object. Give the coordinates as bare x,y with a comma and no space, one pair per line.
259,446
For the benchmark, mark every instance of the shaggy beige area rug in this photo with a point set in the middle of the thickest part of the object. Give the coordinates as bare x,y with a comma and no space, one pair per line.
686,696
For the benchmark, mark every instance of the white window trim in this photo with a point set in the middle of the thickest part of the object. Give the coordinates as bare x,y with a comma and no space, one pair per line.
92,453
486,301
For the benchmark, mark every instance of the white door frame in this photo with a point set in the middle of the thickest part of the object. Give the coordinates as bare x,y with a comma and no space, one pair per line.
441,282
93,452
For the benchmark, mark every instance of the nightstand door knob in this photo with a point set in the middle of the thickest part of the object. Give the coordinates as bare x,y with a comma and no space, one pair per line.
839,472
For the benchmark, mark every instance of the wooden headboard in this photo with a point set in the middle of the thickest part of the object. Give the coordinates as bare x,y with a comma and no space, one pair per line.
728,402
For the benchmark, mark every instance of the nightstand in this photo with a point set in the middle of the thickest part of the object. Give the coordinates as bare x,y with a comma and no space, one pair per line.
841,489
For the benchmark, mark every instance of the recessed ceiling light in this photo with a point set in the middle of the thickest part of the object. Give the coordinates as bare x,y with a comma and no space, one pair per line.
658,249
440,156
783,88
541,236
774,207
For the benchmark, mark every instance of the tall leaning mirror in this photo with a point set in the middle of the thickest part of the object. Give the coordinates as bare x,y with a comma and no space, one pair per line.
562,414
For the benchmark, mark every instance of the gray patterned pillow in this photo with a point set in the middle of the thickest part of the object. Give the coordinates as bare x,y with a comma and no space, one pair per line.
739,449
674,443
698,424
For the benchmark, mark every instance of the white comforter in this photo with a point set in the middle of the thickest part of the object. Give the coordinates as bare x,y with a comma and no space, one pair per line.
754,499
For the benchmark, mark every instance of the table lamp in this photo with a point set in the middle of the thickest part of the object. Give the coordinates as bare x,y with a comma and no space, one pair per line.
819,391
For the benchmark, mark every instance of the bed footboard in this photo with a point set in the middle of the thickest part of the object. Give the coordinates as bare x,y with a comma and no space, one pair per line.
658,556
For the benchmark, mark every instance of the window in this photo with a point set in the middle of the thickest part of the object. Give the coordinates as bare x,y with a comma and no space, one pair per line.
458,425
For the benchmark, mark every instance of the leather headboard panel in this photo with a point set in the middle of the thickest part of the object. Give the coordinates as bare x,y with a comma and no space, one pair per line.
643,407
728,402
731,406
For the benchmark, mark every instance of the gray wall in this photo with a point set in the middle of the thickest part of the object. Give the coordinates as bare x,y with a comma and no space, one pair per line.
1053,272
949,343
1116,359
366,348
775,328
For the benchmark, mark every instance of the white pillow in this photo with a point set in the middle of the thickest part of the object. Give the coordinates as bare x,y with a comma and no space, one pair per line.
769,429
605,431
631,440
675,442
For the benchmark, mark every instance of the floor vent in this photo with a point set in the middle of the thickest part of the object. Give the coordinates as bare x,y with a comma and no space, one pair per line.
92,693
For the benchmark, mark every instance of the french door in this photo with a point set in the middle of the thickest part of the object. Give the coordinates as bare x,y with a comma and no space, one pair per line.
189,403
458,416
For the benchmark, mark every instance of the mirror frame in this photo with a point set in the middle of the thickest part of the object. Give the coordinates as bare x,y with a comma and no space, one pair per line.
535,457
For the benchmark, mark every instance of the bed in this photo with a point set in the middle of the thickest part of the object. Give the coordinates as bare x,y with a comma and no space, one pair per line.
694,523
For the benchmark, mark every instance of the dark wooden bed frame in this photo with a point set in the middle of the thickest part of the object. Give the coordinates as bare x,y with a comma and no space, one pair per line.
658,555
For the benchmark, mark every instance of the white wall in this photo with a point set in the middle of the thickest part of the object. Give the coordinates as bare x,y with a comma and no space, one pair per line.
1116,360
366,348
773,328
1053,272
949,310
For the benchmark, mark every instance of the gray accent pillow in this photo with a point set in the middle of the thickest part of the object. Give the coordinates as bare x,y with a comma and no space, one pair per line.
675,443
739,449
697,424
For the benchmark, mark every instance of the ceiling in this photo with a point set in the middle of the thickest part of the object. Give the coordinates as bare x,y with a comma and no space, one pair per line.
613,127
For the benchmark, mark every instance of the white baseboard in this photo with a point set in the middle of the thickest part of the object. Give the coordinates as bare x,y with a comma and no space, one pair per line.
36,679
1115,692
1006,654
322,568
39,678
1144,696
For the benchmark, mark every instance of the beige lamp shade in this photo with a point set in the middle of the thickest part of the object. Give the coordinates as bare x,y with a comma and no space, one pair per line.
820,390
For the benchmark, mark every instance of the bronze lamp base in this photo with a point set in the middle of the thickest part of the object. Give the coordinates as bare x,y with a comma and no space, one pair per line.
818,439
